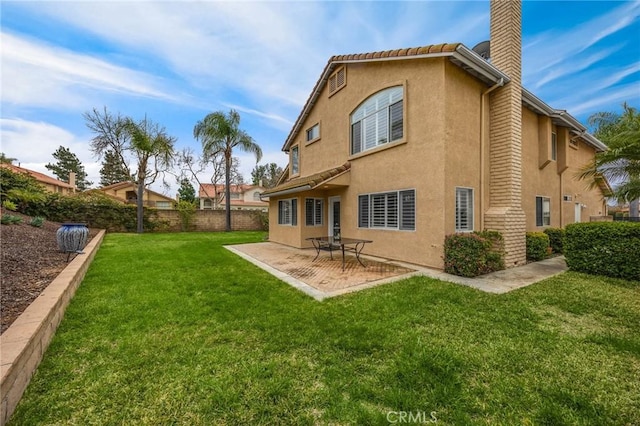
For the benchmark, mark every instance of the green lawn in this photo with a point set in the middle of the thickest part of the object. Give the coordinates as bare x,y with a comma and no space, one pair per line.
175,329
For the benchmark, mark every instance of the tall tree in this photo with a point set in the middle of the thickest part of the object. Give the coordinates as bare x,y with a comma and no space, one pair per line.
186,192
113,171
67,162
193,165
146,143
267,173
620,164
6,160
220,134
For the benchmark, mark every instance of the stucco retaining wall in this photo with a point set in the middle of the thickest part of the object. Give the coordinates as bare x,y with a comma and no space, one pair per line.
24,343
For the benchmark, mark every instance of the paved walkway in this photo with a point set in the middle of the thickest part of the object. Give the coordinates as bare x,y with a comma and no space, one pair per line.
325,278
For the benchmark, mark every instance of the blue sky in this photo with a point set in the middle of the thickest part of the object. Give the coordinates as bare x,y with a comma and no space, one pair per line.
177,61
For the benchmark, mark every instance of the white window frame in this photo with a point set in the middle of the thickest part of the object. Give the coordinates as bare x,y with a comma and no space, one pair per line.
288,212
468,211
314,217
393,205
295,160
545,214
372,122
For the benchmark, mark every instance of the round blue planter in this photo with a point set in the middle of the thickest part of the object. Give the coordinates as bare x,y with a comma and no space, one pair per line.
72,237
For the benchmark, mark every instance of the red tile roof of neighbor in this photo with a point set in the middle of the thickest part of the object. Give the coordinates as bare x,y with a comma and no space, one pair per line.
212,189
40,177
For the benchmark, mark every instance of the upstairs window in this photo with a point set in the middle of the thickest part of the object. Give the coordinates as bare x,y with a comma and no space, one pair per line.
337,80
313,133
379,120
295,161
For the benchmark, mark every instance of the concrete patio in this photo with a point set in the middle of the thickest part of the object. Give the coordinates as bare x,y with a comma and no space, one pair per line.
325,278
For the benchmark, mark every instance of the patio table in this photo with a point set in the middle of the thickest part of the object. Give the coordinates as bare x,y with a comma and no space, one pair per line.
354,245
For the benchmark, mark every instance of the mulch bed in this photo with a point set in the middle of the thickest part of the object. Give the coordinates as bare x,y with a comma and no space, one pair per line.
30,260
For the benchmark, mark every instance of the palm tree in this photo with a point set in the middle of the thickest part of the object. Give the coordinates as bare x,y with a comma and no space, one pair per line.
220,134
621,162
153,149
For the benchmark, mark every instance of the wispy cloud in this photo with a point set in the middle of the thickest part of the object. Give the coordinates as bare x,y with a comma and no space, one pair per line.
551,55
32,143
35,73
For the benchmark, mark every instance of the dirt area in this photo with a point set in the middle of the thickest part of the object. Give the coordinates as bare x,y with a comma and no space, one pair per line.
30,260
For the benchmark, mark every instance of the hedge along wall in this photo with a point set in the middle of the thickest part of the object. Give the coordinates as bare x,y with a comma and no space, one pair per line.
604,248
213,220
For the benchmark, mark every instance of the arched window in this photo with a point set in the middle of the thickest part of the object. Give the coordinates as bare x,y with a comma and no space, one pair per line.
378,120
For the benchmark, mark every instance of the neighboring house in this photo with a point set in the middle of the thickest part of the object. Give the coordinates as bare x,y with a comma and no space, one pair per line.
49,183
126,192
404,147
243,197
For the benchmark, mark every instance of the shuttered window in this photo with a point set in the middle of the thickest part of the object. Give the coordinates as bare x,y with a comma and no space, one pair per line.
388,210
378,120
313,211
464,209
337,80
288,212
408,210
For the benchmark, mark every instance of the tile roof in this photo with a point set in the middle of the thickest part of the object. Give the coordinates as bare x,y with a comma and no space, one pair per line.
40,177
311,181
397,53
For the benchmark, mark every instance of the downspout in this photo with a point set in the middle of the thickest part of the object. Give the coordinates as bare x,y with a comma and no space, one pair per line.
483,97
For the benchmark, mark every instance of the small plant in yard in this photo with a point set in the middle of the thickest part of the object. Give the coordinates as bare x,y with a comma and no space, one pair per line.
537,246
186,210
37,221
473,254
9,205
9,219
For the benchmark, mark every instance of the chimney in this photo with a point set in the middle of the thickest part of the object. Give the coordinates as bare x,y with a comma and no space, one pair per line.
72,180
505,212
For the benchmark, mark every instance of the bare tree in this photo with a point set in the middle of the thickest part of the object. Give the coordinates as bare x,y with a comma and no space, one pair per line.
144,141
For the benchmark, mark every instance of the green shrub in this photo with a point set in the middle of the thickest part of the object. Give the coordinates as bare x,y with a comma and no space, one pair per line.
9,205
9,219
37,222
604,248
23,181
473,254
186,210
537,246
556,239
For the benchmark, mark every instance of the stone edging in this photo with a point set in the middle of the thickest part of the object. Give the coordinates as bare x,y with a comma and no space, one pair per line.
24,343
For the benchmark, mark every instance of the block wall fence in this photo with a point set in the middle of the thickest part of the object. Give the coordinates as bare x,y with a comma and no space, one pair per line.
215,220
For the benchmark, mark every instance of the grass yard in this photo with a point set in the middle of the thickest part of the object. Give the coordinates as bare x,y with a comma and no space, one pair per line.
175,329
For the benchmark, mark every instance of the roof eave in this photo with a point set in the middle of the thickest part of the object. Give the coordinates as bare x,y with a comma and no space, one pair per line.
539,106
